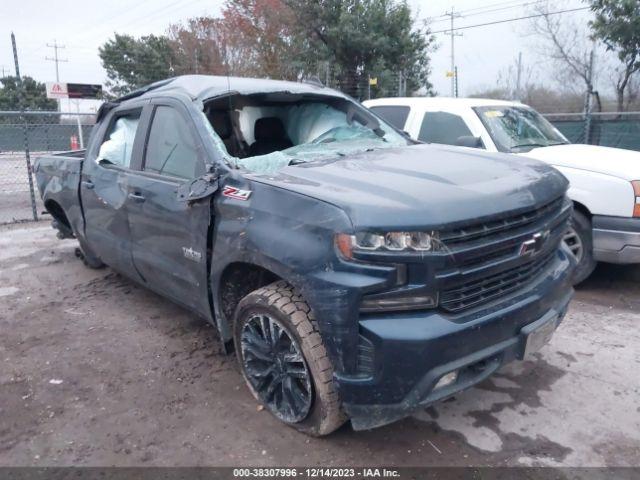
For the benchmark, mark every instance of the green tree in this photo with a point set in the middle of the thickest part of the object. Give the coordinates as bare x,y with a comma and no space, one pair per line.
617,25
134,62
366,38
266,30
199,46
250,38
35,95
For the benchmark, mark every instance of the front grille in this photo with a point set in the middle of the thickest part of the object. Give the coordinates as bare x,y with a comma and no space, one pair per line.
486,231
485,244
484,290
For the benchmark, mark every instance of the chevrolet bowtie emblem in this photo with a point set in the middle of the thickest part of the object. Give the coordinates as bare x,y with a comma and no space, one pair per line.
534,244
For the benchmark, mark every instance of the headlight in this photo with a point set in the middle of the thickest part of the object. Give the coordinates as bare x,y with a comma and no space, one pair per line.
636,192
390,241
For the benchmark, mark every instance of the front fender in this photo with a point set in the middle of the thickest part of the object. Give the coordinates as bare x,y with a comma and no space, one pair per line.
288,234
601,194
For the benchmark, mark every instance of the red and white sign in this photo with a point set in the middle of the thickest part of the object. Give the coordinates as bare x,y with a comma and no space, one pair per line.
57,90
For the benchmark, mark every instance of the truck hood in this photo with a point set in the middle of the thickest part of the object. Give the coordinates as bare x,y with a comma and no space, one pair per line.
617,162
424,186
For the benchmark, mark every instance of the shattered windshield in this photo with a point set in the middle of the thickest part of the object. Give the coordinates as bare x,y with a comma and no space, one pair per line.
519,129
265,136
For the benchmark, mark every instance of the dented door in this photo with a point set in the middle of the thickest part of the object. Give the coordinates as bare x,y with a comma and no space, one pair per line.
168,234
104,188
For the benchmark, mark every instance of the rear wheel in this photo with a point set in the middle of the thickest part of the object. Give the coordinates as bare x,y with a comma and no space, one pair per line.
284,361
580,241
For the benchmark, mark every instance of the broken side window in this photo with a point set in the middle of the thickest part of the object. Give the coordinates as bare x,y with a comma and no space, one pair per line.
171,148
117,147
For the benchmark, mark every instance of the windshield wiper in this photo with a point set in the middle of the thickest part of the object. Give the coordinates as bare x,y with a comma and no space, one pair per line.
296,161
300,161
524,145
379,132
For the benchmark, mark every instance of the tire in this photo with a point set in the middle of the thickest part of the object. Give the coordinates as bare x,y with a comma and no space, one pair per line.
580,241
85,254
306,399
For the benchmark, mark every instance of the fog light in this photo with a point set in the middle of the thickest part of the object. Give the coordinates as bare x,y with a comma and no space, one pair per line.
418,302
448,379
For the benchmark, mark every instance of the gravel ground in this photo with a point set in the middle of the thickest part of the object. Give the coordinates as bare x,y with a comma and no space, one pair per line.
98,371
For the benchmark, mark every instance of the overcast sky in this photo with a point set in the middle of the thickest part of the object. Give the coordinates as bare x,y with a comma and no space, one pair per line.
82,26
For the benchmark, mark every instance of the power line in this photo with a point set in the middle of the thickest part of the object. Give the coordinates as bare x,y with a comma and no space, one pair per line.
55,58
512,19
491,5
494,10
468,12
127,12
165,10
150,15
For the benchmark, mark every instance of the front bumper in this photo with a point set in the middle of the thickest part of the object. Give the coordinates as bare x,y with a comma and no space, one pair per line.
412,351
616,239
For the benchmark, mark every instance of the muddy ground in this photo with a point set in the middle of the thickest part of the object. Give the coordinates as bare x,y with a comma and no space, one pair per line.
95,370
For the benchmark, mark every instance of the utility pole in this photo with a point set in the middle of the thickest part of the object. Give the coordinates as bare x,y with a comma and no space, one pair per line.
55,58
518,95
4,70
21,101
453,15
455,76
587,100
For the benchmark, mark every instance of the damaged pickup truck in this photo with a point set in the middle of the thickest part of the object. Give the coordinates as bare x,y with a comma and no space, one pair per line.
357,274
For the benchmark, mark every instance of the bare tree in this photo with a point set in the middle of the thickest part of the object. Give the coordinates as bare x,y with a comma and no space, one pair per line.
625,82
633,94
571,46
566,44
516,80
617,26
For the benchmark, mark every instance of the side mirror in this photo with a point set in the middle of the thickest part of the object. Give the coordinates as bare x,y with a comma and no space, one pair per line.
104,162
469,141
198,188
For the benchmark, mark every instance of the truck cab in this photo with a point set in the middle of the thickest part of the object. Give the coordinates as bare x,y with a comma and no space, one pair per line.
604,182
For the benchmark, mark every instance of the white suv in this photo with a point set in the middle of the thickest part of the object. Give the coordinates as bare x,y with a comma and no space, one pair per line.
605,182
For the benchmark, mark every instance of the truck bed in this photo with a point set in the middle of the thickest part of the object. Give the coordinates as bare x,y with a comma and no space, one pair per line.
58,179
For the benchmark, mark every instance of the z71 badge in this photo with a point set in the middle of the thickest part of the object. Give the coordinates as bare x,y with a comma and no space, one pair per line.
233,192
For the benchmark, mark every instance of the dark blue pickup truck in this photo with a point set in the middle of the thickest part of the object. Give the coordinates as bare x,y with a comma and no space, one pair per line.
358,275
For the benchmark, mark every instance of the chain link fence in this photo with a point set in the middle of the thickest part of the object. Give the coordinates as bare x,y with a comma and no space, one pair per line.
27,136
609,129
23,138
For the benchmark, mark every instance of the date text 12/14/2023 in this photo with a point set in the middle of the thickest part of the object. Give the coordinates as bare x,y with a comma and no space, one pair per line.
316,472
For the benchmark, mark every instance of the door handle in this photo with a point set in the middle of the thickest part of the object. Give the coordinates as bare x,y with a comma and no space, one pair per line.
137,197
88,184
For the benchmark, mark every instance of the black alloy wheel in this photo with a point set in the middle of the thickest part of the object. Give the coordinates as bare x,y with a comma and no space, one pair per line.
275,368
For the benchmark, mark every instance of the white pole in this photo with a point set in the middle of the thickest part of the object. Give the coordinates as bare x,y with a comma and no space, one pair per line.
80,137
